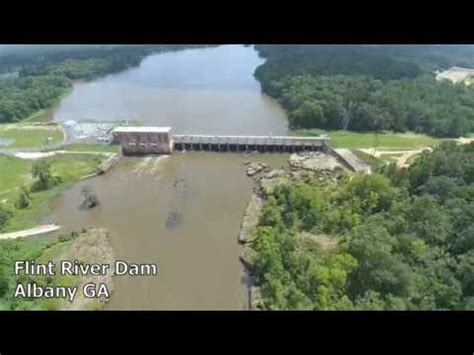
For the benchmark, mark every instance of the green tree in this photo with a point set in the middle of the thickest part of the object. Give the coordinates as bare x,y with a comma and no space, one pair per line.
4,217
22,200
4,282
41,170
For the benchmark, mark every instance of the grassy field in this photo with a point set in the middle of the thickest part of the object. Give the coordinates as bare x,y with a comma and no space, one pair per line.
375,163
30,137
106,148
16,172
345,139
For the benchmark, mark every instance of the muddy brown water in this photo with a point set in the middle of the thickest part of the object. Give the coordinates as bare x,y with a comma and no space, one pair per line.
184,211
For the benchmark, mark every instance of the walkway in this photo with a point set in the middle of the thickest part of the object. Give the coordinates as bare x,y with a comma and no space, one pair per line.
47,228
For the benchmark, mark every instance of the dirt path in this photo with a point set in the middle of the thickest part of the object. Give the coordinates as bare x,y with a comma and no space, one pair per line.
402,160
47,228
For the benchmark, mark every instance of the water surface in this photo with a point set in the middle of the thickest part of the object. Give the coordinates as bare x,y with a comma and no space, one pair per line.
182,211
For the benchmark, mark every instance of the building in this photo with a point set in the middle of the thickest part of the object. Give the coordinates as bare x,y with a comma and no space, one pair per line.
144,140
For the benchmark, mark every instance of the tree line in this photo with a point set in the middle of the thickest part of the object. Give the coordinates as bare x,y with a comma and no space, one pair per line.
44,76
406,238
365,89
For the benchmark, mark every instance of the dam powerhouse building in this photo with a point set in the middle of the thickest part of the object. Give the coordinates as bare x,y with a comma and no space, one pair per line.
144,140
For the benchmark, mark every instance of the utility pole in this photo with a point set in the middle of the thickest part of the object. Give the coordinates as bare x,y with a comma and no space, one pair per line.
375,142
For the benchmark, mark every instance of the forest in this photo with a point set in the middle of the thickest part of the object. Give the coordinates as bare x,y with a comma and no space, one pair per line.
404,238
45,74
362,88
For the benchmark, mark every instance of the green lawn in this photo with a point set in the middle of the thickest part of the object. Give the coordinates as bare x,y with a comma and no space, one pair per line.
375,163
106,148
31,137
346,139
16,172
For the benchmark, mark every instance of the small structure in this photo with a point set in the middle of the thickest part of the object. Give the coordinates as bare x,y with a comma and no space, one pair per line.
144,140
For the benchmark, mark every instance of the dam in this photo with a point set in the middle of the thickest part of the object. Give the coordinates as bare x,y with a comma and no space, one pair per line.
160,140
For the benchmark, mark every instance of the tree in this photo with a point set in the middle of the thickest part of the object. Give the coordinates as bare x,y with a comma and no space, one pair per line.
41,170
4,282
22,201
379,268
4,217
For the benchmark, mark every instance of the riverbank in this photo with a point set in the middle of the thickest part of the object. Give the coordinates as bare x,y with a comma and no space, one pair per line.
16,173
91,246
45,114
299,166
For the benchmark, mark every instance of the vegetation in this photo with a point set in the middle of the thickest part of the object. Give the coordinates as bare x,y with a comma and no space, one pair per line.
105,148
384,140
45,74
28,137
41,170
363,89
405,238
28,249
26,186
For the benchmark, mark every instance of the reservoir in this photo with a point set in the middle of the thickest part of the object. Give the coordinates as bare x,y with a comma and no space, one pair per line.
182,212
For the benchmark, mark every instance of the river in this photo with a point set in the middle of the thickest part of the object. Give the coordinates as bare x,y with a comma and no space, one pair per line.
182,211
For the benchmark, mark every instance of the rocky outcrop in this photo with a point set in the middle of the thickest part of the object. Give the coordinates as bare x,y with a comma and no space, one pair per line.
253,168
248,256
272,179
313,161
250,220
91,246
89,198
256,298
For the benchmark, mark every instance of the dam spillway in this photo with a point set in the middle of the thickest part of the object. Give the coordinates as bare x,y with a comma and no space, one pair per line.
160,140
247,143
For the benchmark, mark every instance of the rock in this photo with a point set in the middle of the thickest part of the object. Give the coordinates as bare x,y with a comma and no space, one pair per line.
173,220
90,199
250,220
256,298
313,161
274,173
90,246
248,256
254,168
272,179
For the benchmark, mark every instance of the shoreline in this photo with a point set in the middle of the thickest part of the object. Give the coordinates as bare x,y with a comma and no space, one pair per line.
44,111
299,165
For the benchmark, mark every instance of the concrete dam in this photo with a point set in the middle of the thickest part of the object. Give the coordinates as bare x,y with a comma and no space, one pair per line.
160,140
135,140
